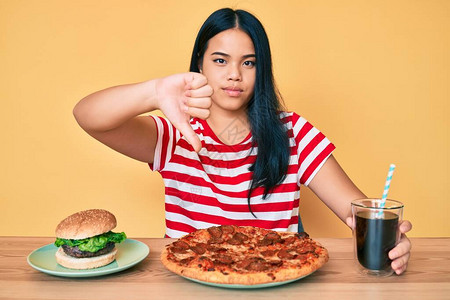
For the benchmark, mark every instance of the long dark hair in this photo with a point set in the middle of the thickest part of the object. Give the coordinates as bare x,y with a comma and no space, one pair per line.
269,134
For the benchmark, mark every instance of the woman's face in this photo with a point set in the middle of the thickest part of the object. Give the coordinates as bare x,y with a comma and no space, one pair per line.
229,66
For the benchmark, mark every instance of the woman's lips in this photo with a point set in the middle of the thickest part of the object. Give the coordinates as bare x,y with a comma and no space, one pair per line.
232,91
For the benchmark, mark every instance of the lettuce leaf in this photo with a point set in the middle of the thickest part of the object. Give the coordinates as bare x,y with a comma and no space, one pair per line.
95,243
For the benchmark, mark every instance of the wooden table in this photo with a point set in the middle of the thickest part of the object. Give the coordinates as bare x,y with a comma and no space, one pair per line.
427,277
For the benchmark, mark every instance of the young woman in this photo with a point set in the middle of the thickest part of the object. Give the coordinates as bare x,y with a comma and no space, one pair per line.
227,150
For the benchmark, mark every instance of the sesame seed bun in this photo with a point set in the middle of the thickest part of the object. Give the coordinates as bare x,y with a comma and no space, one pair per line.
86,224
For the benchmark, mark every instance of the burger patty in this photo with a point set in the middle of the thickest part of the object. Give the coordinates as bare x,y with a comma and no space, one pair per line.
76,252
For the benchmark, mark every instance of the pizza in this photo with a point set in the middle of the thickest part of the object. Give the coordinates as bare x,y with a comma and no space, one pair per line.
244,255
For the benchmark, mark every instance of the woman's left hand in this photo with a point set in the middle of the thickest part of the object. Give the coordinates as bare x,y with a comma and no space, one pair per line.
401,253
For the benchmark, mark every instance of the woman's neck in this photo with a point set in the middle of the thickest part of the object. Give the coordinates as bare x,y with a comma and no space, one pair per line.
230,127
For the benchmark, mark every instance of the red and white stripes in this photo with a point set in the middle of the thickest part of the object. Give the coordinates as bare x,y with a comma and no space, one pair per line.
210,187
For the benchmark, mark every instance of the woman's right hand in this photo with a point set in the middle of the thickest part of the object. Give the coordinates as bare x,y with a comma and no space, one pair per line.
182,96
113,116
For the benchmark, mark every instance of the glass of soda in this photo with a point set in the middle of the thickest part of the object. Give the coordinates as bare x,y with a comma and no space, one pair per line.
375,233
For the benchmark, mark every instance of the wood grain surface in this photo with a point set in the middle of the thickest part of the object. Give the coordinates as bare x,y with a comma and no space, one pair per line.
427,277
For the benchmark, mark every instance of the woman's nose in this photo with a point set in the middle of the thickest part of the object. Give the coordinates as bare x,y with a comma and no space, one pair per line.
234,73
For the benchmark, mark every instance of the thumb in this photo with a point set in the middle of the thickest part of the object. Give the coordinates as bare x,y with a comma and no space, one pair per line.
405,226
187,131
194,80
189,79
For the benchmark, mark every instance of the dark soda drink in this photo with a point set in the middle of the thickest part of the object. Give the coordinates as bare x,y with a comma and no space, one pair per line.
375,237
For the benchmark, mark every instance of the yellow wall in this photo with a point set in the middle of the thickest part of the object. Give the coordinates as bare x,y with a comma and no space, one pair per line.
372,75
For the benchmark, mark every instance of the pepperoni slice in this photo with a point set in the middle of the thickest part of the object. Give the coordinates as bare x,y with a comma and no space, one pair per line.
240,236
276,263
211,248
181,245
272,236
265,242
243,264
199,249
284,254
177,250
257,266
289,240
215,241
253,264
186,261
223,258
234,241
227,229
267,253
215,232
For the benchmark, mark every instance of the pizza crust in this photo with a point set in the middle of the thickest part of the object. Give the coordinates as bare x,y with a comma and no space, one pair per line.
244,279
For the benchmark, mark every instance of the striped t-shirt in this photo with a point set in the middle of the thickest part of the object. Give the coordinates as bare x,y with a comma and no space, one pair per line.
210,187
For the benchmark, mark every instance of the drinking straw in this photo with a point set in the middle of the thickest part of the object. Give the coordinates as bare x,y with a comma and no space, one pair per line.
386,187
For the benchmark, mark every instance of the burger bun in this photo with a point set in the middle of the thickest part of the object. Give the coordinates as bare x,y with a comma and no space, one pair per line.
86,224
84,263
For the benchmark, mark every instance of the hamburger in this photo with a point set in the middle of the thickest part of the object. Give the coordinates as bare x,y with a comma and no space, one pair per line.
86,240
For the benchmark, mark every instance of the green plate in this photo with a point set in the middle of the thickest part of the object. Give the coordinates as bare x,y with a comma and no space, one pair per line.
245,286
129,253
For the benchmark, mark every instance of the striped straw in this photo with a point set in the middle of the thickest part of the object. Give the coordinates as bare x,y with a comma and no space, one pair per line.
386,186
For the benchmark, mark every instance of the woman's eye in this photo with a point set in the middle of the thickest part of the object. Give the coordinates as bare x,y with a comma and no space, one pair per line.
249,63
219,60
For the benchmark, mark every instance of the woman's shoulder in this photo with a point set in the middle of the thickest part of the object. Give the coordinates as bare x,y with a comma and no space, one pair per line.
289,117
295,123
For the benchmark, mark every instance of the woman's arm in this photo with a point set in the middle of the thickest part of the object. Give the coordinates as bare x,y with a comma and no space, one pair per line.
112,116
332,185
337,191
